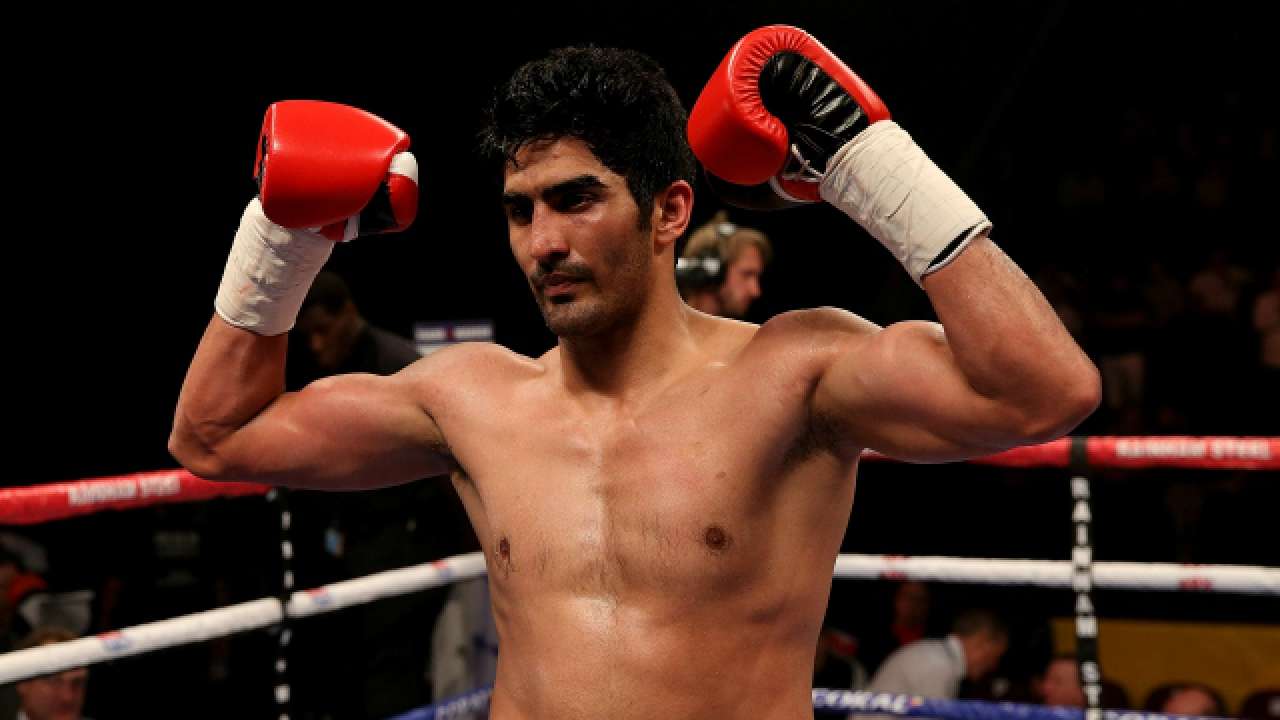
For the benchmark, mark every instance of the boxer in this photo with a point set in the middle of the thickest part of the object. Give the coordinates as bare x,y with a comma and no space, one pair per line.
662,495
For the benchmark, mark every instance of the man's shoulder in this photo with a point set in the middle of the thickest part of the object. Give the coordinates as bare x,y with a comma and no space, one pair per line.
489,364
918,652
816,334
823,322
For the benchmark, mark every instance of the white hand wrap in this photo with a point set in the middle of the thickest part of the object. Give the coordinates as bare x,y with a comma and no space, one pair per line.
885,182
268,273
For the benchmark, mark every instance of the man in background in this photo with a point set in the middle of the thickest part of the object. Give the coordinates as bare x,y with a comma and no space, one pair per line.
56,696
934,668
344,536
1060,684
719,270
338,339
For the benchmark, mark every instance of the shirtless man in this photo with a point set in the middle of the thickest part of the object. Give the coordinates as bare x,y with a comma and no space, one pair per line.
661,496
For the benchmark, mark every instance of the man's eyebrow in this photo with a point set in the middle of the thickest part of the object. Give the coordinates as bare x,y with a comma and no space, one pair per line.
576,184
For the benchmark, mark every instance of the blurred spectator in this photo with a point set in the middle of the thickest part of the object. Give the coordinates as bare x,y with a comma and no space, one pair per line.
170,560
339,340
30,554
331,338
57,696
347,535
1060,683
1216,289
1118,336
1186,699
1261,705
719,270
464,644
1165,297
17,587
835,664
1218,352
935,668
1266,321
908,623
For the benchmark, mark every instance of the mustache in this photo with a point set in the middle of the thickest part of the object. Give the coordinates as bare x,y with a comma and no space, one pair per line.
567,270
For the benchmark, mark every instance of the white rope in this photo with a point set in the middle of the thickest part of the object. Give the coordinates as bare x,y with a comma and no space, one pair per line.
1245,579
266,612
138,639
234,618
386,584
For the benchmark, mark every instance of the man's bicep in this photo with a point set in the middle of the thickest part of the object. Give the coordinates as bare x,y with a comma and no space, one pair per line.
899,391
346,432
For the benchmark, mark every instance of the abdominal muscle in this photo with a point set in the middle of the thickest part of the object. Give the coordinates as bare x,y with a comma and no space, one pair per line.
639,654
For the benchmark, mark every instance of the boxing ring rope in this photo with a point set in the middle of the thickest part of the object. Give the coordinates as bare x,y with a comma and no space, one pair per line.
252,615
35,504
29,505
55,501
266,612
844,701
910,706
1234,579
1139,453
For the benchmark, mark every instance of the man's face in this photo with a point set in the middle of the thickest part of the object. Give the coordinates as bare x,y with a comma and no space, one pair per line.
911,603
54,697
1191,701
574,230
741,282
1061,685
985,653
330,336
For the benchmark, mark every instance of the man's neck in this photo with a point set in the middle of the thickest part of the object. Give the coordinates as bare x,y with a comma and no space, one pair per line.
626,362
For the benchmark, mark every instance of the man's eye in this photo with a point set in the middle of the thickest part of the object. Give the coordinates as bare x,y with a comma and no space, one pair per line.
517,213
576,200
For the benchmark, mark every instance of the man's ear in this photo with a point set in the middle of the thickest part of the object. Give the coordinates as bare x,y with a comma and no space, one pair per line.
672,209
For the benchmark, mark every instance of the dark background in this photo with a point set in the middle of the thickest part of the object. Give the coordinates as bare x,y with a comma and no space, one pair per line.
142,147
137,145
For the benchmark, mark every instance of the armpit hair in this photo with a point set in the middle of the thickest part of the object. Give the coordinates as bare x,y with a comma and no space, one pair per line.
821,433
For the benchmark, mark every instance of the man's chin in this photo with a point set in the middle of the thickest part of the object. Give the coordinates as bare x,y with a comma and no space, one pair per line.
569,327
571,319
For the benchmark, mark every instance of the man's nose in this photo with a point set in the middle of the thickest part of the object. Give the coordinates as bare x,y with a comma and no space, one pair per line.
546,241
317,343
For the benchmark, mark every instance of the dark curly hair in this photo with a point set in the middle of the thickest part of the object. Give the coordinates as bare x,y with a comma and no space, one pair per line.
618,102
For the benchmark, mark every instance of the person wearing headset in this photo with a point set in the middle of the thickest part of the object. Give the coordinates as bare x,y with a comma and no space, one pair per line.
719,270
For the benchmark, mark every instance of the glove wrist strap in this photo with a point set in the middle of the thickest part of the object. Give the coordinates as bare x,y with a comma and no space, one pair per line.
268,273
885,182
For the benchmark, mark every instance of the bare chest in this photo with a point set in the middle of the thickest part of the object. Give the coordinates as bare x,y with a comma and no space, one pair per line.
675,499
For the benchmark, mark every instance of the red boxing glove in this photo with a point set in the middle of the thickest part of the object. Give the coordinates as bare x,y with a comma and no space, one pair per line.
335,169
774,113
326,173
783,122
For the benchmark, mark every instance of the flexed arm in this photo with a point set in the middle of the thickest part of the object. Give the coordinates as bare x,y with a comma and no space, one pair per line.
784,122
328,173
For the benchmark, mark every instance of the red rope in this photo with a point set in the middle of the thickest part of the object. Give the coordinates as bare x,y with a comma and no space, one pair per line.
1228,453
55,501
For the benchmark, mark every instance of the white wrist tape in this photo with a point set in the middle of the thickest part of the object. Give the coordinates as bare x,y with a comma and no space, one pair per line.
268,273
885,182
